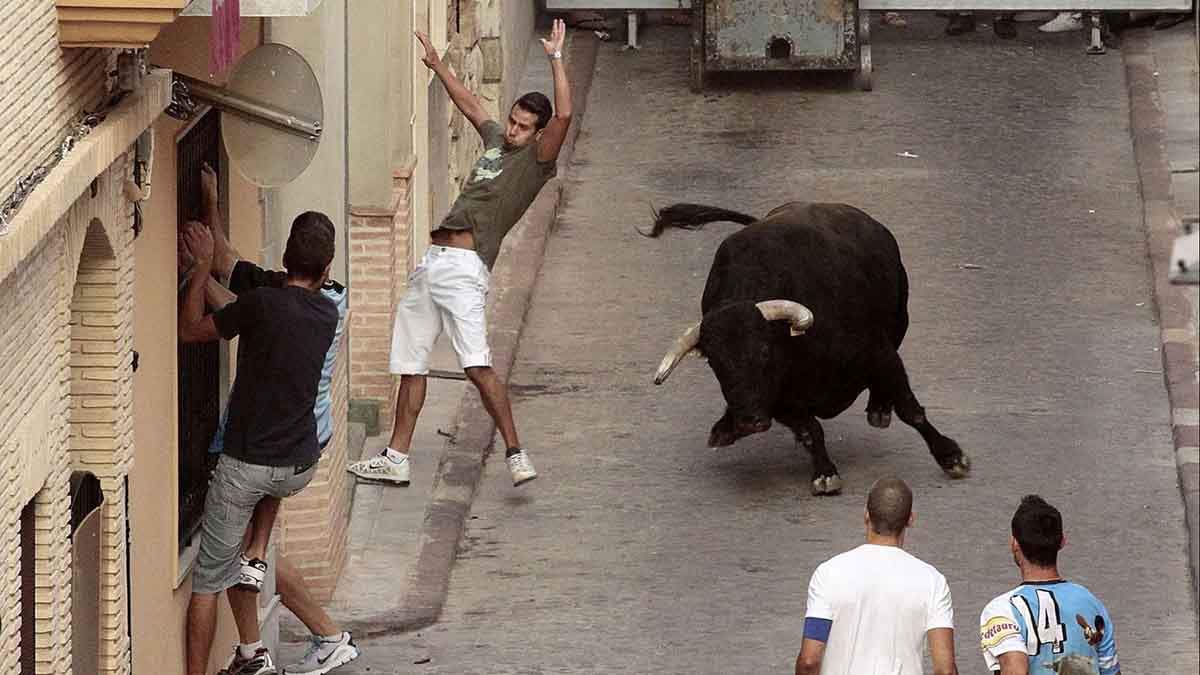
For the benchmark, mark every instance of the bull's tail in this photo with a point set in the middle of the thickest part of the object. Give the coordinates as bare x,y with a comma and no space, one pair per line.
693,217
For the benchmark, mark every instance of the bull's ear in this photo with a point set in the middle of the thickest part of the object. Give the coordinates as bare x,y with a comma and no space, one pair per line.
797,315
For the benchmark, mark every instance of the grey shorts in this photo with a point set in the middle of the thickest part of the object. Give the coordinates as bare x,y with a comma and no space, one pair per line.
235,489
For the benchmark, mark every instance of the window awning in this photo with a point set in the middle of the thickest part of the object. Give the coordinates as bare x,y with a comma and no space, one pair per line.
124,24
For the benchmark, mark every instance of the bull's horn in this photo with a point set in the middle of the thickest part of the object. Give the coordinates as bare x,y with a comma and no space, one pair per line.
796,314
683,345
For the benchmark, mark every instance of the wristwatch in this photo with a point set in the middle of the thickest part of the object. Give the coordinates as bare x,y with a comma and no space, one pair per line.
556,55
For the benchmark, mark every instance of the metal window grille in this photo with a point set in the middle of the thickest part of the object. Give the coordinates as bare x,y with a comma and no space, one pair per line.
199,364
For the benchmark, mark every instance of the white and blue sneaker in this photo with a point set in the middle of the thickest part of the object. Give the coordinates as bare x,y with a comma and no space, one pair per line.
324,655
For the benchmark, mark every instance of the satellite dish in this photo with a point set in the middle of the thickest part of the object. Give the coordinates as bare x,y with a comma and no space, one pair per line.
273,134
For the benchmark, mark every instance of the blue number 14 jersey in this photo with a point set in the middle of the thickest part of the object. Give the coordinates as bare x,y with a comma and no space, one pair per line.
1060,625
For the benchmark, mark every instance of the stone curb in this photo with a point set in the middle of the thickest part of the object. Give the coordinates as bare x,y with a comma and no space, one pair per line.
461,465
1148,126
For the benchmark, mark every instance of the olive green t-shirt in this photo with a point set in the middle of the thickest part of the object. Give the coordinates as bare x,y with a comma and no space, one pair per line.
502,185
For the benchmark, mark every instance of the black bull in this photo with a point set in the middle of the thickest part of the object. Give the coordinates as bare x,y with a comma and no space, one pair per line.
802,311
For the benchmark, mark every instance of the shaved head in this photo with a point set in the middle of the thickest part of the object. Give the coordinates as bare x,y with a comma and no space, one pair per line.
889,506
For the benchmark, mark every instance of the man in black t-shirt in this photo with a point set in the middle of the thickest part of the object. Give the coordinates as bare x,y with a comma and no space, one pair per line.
270,446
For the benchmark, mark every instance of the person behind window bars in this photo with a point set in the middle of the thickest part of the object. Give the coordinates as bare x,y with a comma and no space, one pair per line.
330,647
270,433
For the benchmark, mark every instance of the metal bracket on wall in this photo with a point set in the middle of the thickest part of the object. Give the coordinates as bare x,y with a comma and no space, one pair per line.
254,110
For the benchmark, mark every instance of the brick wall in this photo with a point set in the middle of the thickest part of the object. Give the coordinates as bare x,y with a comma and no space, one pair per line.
52,571
314,525
68,309
33,458
379,266
42,87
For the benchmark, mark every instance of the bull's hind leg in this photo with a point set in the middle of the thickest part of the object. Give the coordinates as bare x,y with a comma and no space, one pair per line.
894,381
808,431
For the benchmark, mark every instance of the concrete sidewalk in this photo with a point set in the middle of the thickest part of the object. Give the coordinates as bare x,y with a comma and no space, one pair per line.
1161,72
403,540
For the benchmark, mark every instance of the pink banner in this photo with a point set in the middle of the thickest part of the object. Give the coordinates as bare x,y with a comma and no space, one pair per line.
224,34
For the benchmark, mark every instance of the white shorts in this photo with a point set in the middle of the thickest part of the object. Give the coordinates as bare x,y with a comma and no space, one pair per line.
447,290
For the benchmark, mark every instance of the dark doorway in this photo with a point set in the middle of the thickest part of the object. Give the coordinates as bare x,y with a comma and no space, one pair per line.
28,584
86,520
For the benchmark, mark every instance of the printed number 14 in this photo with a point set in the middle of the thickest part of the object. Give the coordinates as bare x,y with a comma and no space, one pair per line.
1048,630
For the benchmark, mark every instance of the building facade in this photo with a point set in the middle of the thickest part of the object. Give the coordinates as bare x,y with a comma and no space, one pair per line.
104,417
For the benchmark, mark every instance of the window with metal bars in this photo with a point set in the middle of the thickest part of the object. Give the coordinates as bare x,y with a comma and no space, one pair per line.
199,363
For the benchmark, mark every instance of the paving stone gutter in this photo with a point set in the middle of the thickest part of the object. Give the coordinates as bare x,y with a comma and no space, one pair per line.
1148,124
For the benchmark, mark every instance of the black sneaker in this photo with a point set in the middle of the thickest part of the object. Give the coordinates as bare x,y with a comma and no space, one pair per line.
259,664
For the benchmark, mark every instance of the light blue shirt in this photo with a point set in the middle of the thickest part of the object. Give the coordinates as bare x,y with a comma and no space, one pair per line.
1060,625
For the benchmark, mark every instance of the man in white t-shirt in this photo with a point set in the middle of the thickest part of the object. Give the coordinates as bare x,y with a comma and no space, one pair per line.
870,610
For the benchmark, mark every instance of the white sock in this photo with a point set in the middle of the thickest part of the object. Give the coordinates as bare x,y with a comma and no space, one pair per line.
395,455
247,651
336,637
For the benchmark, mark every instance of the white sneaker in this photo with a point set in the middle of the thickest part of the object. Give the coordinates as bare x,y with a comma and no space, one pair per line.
382,468
324,655
521,468
1065,21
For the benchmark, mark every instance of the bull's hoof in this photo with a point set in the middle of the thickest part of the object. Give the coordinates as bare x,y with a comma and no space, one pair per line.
827,485
880,419
959,468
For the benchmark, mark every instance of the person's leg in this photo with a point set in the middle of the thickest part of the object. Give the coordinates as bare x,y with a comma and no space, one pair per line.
494,394
460,293
414,332
244,604
233,493
293,592
201,627
332,647
410,398
261,524
254,550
